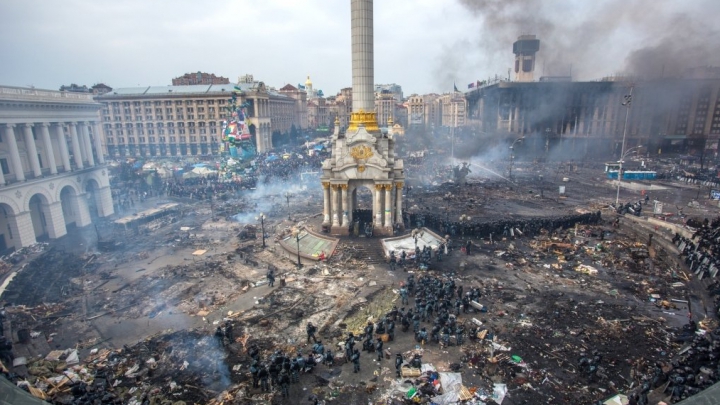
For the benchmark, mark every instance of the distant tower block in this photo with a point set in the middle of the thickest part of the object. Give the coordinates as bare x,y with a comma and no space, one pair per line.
525,49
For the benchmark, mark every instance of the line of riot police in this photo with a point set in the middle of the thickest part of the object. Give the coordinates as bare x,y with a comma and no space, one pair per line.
500,228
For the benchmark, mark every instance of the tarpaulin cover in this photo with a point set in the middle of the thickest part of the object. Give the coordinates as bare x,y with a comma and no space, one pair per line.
451,384
10,394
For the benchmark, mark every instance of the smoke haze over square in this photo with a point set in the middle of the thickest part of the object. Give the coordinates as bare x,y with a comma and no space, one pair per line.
424,45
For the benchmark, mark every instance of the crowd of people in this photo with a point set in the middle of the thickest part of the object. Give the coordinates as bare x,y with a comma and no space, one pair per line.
131,185
697,367
286,167
493,230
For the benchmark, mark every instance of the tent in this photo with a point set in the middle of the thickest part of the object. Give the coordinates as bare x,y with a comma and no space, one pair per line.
164,173
199,172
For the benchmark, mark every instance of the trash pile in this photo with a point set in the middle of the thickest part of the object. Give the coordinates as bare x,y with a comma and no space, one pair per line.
185,366
51,277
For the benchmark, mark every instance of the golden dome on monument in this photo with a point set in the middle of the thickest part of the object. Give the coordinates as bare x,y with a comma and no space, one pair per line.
308,82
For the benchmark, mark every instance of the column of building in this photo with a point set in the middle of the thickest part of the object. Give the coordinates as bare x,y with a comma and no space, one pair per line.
77,155
79,201
104,201
48,147
14,153
334,205
22,229
377,205
98,144
326,203
54,219
398,203
345,204
88,146
62,143
81,140
32,150
388,205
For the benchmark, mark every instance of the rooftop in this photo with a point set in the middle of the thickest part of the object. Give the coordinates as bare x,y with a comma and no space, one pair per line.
195,89
32,94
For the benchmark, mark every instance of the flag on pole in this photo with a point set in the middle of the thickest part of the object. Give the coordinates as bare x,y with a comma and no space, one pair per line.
455,87
471,86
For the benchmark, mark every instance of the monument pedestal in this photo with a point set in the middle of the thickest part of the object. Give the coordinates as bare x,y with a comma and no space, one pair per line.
383,231
340,231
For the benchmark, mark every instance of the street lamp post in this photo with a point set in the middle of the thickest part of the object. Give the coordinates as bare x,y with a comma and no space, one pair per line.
626,103
261,218
512,155
547,140
452,145
287,197
297,239
622,159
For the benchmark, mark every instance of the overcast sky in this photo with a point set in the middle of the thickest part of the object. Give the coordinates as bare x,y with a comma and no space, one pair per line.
423,45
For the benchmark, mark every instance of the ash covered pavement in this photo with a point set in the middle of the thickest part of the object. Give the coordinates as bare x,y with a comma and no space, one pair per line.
554,303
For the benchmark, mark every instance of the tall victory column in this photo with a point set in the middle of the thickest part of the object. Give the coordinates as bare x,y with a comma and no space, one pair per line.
363,156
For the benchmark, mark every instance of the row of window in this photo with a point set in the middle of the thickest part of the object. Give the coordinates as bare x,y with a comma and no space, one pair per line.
160,131
159,111
166,102
160,117
161,124
161,139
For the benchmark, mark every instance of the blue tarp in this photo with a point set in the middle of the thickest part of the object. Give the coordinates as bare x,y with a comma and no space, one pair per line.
271,158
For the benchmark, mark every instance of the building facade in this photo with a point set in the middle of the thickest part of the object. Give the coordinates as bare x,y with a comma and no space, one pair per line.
392,88
453,108
53,173
433,110
416,111
680,115
384,107
318,113
187,120
299,109
189,79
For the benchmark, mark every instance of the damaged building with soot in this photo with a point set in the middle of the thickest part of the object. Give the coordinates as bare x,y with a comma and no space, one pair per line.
674,114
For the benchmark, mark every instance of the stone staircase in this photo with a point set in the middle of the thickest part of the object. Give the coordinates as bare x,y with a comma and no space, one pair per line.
368,250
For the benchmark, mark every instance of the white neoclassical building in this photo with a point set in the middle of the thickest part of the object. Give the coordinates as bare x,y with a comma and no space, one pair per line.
52,169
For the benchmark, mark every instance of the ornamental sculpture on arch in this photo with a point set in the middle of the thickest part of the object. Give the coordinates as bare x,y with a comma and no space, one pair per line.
362,158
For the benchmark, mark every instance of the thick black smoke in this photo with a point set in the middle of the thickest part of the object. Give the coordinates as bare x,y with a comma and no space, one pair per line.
641,38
